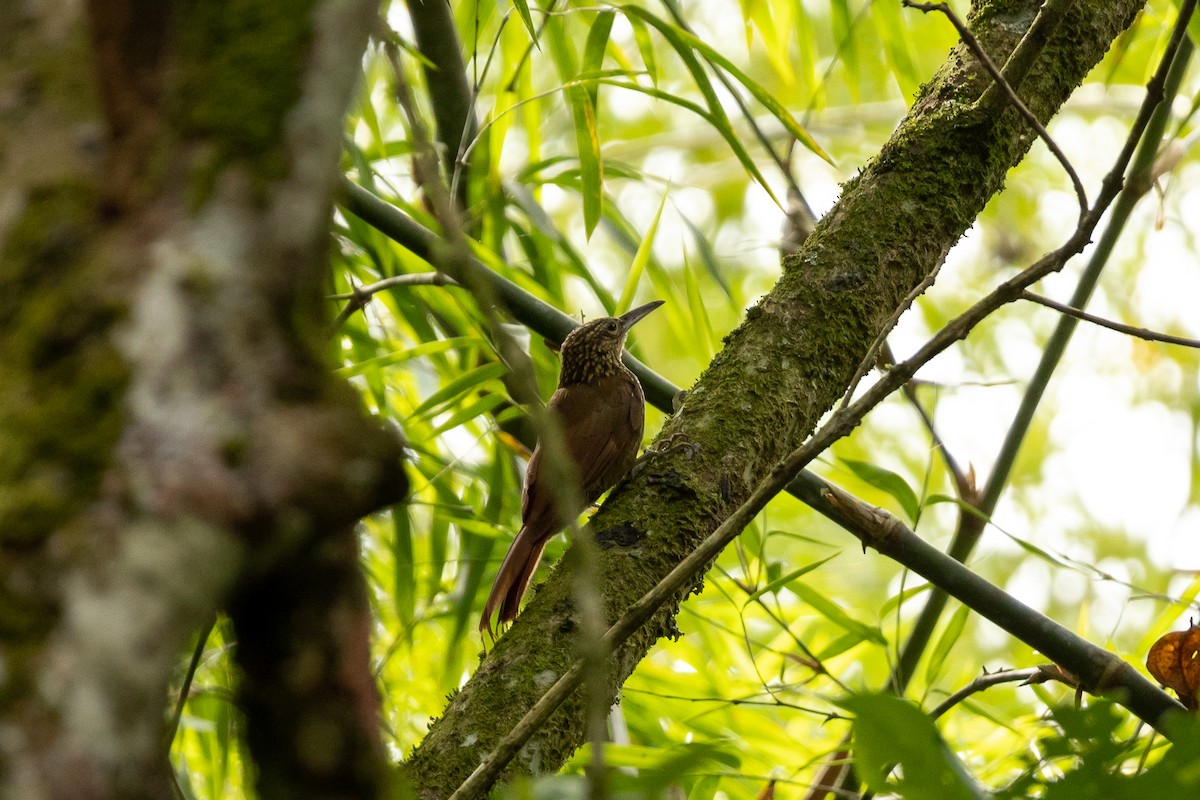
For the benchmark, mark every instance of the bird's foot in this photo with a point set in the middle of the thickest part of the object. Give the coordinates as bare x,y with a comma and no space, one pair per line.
675,443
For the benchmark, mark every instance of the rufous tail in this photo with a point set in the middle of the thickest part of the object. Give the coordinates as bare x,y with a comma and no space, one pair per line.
512,580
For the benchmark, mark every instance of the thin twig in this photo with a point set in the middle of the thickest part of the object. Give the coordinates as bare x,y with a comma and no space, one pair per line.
359,296
964,483
363,293
1027,677
1119,327
872,355
973,45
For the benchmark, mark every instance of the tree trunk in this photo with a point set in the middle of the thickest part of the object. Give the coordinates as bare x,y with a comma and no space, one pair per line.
171,435
778,373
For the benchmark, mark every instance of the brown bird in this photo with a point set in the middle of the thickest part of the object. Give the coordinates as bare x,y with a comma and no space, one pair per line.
601,408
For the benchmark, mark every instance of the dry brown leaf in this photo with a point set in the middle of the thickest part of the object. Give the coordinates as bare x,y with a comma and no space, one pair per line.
1174,661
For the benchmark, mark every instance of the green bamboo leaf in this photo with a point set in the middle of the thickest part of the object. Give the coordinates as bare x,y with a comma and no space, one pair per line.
896,45
847,44
587,144
449,494
640,258
705,788
721,126
807,46
896,600
583,116
420,351
708,256
784,580
841,644
835,614
469,412
543,231
404,578
945,643
716,116
1033,549
966,508
459,386
527,20
183,779
673,761
775,33
888,482
686,44
369,116
890,731
641,35
479,527
699,309
597,43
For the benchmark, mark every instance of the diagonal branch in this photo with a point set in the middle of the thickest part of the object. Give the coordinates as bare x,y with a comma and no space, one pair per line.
1049,14
1119,327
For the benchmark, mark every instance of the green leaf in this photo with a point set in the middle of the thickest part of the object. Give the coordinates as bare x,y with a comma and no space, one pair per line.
597,43
470,411
888,482
699,310
782,581
664,764
583,117
718,121
708,256
890,731
839,645
847,43
834,613
640,258
527,20
894,34
945,643
400,356
641,35
896,600
685,43
404,578
464,383
1032,548
587,144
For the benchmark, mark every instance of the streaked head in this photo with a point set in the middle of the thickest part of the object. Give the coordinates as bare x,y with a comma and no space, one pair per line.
593,350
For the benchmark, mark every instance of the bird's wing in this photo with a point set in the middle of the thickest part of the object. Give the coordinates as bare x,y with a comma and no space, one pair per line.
605,430
603,440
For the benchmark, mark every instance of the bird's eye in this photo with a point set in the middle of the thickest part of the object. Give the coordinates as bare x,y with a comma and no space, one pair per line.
613,326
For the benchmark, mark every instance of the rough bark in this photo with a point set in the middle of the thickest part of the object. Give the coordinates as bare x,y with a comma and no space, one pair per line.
777,374
169,425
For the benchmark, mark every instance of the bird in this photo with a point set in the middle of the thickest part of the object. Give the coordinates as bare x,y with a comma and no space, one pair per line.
601,411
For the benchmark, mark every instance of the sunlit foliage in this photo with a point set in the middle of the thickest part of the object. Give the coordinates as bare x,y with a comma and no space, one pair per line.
628,122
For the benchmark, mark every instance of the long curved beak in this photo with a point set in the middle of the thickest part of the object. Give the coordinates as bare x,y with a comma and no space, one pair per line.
634,315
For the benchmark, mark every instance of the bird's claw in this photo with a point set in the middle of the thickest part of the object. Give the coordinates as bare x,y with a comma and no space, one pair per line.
675,443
